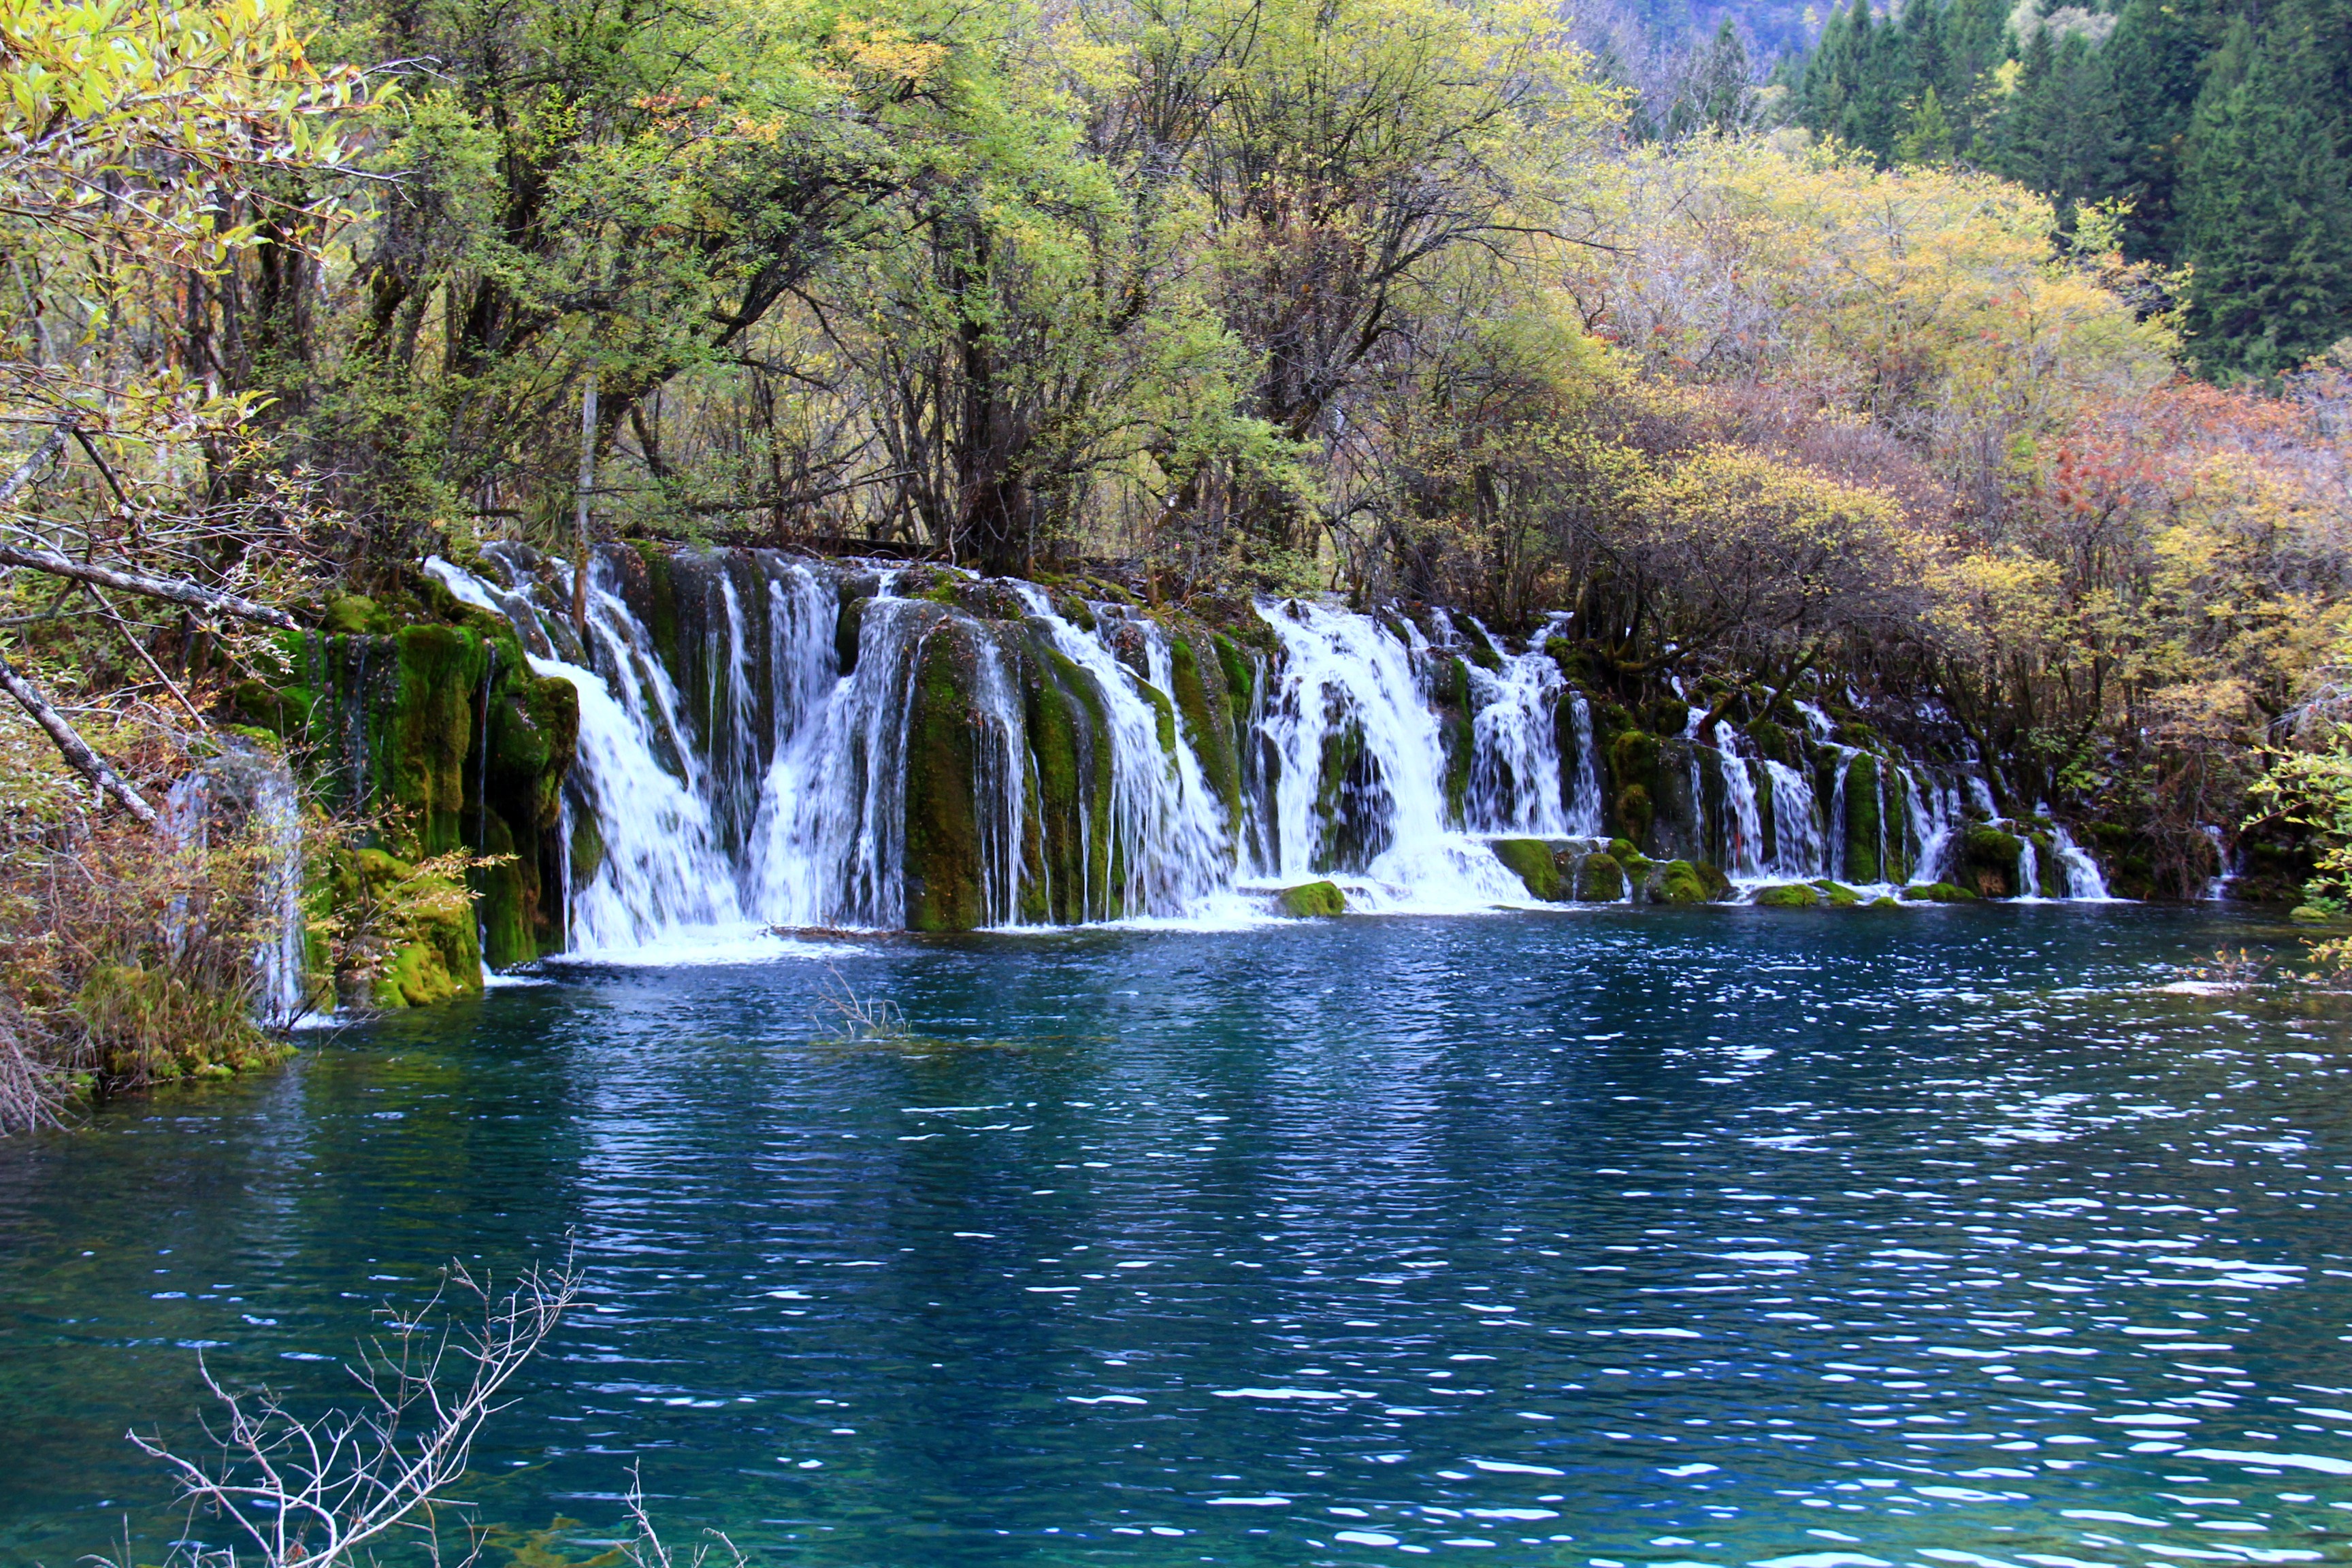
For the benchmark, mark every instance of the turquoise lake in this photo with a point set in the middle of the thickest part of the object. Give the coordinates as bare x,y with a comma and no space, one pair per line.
1604,1239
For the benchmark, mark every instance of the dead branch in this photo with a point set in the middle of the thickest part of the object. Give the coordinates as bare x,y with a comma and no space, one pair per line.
176,589
309,1493
77,750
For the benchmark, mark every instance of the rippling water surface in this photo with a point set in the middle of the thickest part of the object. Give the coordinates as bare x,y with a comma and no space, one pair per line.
1717,1236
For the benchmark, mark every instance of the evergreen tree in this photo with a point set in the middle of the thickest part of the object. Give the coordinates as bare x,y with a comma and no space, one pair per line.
2154,65
1929,140
2265,206
1716,93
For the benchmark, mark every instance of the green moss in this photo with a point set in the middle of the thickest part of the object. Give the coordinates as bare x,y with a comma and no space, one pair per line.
1634,755
430,730
441,957
1861,818
1633,811
1711,878
355,614
944,886
1310,900
1790,896
1241,678
1669,716
1201,700
1600,879
1621,850
1990,859
1531,860
1457,730
1163,719
1678,882
1837,895
1938,893
1069,748
1773,741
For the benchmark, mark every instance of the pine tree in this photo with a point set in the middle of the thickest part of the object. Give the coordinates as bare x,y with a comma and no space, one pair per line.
1929,140
1716,94
2154,62
2265,207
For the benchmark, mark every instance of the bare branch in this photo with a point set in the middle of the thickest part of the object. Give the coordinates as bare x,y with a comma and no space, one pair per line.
77,750
178,590
311,1493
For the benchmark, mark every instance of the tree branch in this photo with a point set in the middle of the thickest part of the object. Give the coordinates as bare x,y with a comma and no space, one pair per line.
178,590
77,750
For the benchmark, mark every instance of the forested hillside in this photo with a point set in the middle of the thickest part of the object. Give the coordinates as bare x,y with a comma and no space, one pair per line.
2215,139
1380,298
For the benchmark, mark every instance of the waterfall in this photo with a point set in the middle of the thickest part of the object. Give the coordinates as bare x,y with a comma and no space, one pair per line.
243,792
746,759
1587,812
2028,869
1359,791
1170,841
2085,881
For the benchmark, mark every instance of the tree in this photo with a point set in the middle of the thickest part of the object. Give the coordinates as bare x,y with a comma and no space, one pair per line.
2265,210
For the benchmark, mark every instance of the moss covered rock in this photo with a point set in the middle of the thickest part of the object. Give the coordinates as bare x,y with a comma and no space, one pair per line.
1310,900
1837,895
1677,882
1209,728
1989,857
1862,822
1530,860
1938,893
1599,879
1788,896
944,886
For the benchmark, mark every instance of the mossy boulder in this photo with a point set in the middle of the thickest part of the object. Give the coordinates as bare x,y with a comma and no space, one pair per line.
1676,882
1711,878
1989,859
1311,900
1599,879
1788,896
1837,895
1938,893
1531,860
1621,850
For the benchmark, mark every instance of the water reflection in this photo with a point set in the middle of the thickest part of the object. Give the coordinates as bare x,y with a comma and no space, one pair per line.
1593,1239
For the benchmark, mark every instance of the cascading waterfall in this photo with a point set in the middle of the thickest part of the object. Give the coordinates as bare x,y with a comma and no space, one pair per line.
1167,836
747,764
1359,789
245,791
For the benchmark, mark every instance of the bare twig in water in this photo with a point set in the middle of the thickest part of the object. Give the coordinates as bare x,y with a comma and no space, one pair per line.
844,1017
647,1550
309,1493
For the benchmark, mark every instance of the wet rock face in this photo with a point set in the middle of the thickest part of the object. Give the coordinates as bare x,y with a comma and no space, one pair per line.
1989,861
1532,862
440,734
1310,900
